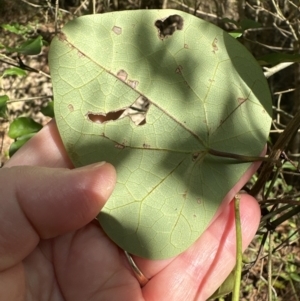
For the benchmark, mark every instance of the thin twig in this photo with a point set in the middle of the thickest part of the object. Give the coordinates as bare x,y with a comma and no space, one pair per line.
198,12
285,91
55,16
271,71
94,6
279,146
283,18
165,4
28,99
21,65
270,267
43,6
32,4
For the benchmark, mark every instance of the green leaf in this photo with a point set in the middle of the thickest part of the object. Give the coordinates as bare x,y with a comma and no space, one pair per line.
16,145
205,92
276,58
3,105
49,109
23,126
295,277
243,25
248,23
30,47
14,71
17,28
236,34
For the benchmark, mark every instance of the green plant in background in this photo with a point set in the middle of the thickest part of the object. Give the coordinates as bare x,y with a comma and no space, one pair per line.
30,46
3,106
23,128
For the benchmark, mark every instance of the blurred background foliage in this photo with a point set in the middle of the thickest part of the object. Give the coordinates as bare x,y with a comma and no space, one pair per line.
268,28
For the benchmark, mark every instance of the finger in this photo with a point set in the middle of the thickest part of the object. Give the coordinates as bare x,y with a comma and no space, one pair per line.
38,202
47,148
198,272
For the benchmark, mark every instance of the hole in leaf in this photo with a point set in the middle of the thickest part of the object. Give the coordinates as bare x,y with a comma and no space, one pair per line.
101,118
168,26
136,112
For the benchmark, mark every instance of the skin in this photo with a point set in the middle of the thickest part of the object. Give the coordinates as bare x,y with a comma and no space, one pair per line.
51,248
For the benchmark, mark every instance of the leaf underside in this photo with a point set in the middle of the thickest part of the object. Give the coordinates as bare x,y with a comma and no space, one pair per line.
191,87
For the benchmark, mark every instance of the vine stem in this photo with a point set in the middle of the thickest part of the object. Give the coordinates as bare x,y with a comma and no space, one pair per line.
239,250
238,157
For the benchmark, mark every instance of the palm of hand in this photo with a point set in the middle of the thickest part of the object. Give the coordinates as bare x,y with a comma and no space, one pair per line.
81,265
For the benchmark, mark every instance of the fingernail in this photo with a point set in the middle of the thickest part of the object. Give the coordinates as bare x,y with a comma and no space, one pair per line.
92,166
98,164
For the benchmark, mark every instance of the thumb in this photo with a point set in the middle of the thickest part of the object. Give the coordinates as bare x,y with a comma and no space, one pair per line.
40,202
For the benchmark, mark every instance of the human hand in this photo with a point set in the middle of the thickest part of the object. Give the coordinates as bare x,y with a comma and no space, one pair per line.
52,249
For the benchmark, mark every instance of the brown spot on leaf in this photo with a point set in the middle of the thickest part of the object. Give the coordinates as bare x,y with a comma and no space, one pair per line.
122,75
70,107
241,100
120,146
80,54
61,36
117,30
146,145
166,27
214,45
195,156
179,69
133,83
186,46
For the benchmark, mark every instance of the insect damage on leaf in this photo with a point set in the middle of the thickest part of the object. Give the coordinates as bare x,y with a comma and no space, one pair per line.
137,113
138,110
61,36
123,75
214,45
102,118
117,30
168,26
